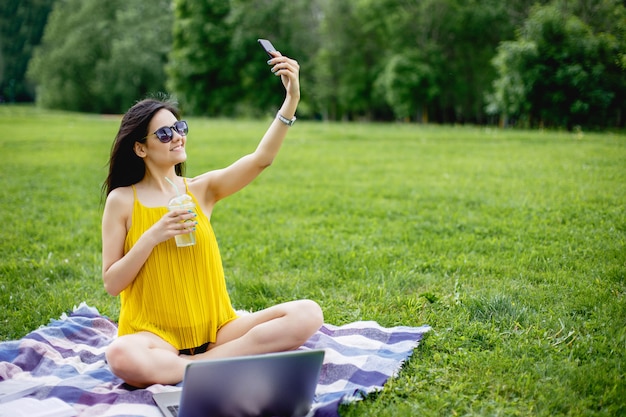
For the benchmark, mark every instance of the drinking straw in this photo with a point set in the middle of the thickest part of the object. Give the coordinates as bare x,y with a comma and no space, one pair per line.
173,185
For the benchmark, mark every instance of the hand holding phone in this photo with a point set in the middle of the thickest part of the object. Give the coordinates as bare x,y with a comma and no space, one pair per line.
267,46
288,69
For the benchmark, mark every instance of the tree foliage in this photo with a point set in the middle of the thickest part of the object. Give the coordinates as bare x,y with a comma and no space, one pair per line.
198,68
556,62
216,66
408,84
101,56
559,72
414,58
21,27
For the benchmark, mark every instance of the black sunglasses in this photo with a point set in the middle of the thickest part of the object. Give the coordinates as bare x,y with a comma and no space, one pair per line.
166,134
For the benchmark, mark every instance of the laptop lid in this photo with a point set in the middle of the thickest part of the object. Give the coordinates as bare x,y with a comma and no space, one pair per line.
275,384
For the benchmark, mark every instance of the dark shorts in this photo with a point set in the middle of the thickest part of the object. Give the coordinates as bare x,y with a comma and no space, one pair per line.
195,351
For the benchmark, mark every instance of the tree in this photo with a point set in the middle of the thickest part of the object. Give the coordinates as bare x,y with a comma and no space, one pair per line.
291,26
73,43
408,84
22,24
101,56
558,72
198,69
421,58
510,90
410,81
351,54
137,54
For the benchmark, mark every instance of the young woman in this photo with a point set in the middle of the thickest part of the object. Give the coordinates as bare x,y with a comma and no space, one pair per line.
174,304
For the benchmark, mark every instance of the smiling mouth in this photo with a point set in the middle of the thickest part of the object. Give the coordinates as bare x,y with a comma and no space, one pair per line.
177,148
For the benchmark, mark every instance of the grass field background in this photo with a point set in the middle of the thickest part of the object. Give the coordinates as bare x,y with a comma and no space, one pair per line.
510,244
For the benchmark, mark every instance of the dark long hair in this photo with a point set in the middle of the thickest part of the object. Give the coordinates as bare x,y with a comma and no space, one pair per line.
125,167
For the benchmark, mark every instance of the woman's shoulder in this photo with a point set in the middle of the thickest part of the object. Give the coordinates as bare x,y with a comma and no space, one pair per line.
121,196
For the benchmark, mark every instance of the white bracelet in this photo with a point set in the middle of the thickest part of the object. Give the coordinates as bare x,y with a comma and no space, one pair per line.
288,122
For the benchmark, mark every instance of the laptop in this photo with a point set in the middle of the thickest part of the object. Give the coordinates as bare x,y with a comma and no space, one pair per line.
274,384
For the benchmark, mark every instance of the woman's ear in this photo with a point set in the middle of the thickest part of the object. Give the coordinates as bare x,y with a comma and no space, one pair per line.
140,149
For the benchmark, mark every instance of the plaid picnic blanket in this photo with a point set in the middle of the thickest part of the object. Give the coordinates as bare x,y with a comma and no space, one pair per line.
67,355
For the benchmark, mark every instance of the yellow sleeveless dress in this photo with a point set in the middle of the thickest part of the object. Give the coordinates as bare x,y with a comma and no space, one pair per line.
180,293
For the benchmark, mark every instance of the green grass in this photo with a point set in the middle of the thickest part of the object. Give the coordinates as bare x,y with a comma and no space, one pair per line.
510,244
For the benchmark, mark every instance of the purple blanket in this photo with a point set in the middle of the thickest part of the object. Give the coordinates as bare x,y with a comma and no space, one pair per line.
68,357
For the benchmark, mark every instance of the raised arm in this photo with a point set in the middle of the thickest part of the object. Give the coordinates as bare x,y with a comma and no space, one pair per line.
215,185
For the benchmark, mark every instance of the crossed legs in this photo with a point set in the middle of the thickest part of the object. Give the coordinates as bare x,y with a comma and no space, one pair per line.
143,359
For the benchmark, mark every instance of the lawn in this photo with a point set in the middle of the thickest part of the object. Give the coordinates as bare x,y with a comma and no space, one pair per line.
510,244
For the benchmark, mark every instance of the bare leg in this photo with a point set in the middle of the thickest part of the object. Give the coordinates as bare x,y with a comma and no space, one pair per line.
143,359
279,328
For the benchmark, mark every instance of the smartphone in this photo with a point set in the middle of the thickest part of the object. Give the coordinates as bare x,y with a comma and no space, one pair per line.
267,45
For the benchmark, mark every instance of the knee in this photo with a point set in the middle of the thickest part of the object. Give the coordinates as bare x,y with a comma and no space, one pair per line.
310,316
117,356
